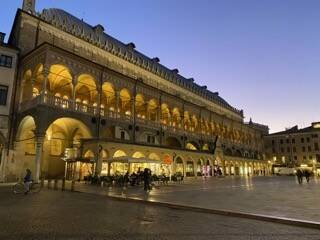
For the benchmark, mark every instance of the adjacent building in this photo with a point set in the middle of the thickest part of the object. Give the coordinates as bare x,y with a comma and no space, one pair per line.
8,63
295,147
86,102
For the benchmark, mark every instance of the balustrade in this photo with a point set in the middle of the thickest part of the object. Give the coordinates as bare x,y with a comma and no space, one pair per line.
72,105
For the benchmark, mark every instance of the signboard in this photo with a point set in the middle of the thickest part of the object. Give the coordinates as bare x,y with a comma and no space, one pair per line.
167,160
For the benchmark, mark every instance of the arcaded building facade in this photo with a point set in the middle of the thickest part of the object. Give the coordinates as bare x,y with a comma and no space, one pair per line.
87,102
295,147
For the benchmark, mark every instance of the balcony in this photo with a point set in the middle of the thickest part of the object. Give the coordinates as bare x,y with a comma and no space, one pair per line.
91,110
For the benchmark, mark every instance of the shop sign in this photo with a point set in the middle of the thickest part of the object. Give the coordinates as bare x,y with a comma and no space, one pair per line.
167,160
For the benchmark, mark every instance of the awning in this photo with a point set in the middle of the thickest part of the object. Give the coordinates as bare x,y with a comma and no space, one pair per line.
126,159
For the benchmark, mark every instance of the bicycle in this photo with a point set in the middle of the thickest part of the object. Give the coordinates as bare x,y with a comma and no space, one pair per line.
20,188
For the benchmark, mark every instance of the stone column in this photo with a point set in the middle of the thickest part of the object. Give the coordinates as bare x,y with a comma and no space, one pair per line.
98,161
44,90
39,149
117,110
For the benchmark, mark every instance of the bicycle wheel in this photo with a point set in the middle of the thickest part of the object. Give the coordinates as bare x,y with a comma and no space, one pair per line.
35,187
18,188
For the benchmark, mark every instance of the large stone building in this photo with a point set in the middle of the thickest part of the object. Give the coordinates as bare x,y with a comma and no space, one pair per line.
295,147
8,62
100,104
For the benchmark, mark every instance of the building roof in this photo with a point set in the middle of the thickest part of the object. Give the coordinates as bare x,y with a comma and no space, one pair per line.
96,35
315,127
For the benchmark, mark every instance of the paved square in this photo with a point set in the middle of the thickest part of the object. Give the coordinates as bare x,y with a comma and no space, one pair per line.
275,196
67,215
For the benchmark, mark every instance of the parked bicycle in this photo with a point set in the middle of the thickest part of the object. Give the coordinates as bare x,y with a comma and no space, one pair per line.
20,188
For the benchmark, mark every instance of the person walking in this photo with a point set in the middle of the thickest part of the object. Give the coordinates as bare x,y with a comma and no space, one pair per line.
307,175
27,180
146,179
299,174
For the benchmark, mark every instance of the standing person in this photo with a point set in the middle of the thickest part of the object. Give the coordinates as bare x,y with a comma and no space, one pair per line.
146,179
27,180
307,175
299,175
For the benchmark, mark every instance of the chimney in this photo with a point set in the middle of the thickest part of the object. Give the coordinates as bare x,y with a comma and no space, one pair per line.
2,36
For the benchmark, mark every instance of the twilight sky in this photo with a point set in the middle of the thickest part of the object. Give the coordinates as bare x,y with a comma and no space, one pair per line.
261,56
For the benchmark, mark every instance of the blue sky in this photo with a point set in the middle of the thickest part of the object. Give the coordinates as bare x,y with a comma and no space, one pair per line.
261,56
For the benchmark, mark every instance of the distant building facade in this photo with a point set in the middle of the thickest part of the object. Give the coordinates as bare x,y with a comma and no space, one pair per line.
8,63
105,108
295,147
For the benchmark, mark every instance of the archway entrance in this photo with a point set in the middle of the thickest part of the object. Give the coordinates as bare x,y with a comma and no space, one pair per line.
62,140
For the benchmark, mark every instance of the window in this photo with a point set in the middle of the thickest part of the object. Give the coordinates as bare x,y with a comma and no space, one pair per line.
123,135
308,139
287,141
314,135
293,140
303,149
302,140
295,158
309,149
294,149
3,95
272,142
282,150
288,149
273,150
151,139
318,157
304,157
310,157
281,141
5,61
316,146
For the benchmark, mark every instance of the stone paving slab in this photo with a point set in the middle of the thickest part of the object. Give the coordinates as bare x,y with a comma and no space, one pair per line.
55,215
280,197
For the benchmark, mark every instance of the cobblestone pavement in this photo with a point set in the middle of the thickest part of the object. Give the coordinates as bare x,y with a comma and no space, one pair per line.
67,215
274,196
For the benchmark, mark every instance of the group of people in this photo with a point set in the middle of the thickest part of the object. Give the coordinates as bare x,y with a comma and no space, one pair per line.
217,171
137,178
303,173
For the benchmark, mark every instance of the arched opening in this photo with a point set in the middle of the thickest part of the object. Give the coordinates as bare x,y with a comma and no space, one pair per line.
125,102
200,167
27,88
152,110
108,99
190,168
187,121
140,106
38,81
192,146
194,123
119,153
176,118
165,114
172,142
138,155
205,147
86,93
59,83
25,147
179,168
119,168
89,155
62,141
